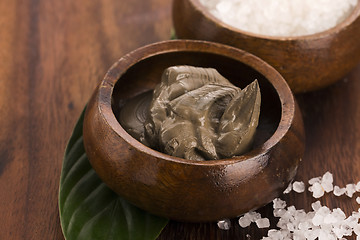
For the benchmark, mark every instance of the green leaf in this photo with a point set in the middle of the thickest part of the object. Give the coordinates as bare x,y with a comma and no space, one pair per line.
89,210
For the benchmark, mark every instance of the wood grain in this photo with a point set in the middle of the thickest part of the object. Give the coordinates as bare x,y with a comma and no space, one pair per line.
53,54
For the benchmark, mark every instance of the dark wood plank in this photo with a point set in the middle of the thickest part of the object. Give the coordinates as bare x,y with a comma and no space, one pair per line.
53,53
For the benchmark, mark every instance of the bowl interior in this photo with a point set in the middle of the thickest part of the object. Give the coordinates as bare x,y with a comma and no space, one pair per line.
146,73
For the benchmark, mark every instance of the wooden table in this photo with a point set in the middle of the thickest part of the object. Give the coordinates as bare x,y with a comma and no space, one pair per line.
53,54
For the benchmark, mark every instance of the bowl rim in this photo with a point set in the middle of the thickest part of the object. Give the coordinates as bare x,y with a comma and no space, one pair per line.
120,67
337,28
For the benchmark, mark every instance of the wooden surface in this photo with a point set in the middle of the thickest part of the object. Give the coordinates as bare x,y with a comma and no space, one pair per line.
53,54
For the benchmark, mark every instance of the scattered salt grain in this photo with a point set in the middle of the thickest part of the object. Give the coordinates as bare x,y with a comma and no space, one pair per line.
357,229
278,203
350,189
253,216
327,182
321,223
224,224
357,187
281,17
275,234
314,180
248,218
298,187
340,215
316,205
317,190
288,189
262,223
339,191
244,222
279,212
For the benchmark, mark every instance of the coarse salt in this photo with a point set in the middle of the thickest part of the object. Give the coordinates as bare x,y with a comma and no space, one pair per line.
321,223
350,189
288,189
327,182
224,224
298,186
248,218
262,223
281,17
357,187
278,203
339,191
317,190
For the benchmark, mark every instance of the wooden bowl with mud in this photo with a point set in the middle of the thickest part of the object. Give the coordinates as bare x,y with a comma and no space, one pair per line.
193,190
307,62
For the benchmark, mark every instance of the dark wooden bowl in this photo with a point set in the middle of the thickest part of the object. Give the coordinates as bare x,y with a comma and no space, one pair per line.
190,190
307,63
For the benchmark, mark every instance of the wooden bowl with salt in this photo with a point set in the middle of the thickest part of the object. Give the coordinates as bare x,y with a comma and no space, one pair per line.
188,190
306,62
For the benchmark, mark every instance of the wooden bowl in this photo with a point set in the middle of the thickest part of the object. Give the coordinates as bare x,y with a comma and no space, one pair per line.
307,62
187,190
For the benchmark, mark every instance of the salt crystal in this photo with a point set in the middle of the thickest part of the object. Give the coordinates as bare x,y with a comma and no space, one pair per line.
340,215
351,221
263,223
339,191
316,205
224,224
323,235
312,234
356,229
327,177
305,226
279,212
339,233
298,235
318,219
323,210
298,187
244,221
350,189
347,230
312,181
275,234
292,210
248,218
319,224
278,203
253,216
357,187
288,189
327,182
356,214
330,219
317,190
291,226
